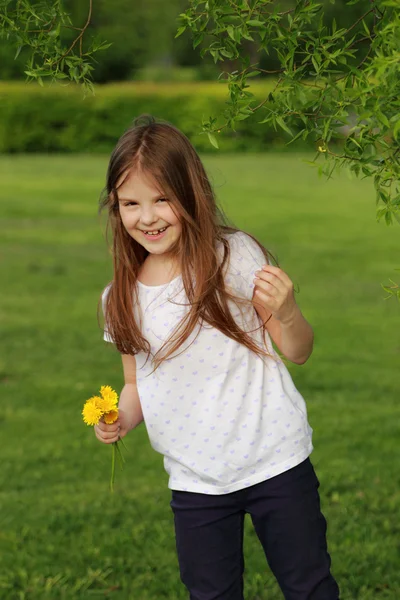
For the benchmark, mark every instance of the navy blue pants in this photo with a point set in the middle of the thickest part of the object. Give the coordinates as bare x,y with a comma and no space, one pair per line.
285,511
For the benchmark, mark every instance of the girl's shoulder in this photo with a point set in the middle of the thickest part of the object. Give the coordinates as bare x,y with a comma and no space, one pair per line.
246,256
104,296
245,250
106,290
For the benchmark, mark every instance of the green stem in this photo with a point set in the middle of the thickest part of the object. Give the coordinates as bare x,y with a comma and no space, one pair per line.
119,455
123,444
113,466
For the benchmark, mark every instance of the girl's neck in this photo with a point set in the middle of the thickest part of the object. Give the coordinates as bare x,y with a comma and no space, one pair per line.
157,270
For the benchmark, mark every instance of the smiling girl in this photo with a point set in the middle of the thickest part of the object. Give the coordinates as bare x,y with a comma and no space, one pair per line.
193,308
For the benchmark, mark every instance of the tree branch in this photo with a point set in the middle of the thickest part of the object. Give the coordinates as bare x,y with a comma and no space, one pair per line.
79,37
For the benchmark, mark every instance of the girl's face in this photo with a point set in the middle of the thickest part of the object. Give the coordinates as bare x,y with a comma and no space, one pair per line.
144,210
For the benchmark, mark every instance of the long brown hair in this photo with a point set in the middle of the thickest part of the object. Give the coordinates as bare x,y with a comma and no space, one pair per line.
159,149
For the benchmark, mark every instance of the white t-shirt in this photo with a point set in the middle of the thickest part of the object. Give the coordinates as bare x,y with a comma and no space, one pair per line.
222,417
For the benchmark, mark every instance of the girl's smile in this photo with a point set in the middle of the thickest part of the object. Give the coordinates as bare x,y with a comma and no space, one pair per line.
155,236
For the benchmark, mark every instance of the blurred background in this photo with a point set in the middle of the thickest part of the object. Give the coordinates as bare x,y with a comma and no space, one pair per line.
145,69
63,535
144,45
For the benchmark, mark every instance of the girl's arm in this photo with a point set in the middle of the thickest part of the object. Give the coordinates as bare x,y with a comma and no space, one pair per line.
129,400
294,338
273,299
129,408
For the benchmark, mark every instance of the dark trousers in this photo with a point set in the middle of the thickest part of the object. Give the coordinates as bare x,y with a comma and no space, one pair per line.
285,511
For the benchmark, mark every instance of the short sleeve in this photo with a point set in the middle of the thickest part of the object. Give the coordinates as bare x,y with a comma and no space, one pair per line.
104,296
246,258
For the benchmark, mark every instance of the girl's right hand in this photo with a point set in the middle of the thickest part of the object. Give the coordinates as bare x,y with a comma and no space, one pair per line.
112,433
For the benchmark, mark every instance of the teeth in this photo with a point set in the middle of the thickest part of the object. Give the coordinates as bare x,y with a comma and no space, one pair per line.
155,232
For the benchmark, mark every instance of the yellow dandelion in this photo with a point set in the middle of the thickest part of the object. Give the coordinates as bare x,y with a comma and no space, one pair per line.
109,396
111,416
105,404
91,412
98,402
105,407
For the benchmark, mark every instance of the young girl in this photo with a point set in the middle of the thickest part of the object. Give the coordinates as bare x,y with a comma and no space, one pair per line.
192,308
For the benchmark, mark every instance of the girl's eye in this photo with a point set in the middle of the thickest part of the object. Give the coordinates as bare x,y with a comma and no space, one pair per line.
134,203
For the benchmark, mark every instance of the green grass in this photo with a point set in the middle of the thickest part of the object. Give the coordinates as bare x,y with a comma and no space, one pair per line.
63,536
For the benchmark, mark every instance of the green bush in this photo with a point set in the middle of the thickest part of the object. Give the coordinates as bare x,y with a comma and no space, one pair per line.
166,73
61,119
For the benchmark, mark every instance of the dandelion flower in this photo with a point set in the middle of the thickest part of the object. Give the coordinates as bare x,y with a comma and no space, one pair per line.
105,403
110,397
91,412
111,416
105,406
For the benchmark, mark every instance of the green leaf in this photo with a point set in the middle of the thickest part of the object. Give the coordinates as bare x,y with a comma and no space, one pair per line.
365,27
296,137
388,218
231,32
247,36
380,213
198,39
213,139
227,53
384,197
255,23
383,119
242,116
104,45
267,119
396,130
282,123
215,55
180,31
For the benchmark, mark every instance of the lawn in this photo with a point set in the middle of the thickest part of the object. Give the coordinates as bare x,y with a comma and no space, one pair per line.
63,535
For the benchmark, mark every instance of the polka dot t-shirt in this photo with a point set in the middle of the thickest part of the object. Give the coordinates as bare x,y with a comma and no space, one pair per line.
222,417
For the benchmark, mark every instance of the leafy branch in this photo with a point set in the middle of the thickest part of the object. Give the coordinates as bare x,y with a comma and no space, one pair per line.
338,88
42,27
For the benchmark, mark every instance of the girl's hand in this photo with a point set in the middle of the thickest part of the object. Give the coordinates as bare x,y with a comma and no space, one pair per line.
112,433
275,292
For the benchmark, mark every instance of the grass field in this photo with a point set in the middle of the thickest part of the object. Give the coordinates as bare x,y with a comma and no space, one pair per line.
63,536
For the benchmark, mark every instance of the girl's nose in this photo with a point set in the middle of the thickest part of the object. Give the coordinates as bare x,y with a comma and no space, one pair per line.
148,217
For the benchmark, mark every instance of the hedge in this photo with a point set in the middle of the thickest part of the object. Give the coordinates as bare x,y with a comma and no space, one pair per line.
59,118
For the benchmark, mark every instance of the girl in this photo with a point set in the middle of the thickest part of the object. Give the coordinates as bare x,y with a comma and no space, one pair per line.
203,301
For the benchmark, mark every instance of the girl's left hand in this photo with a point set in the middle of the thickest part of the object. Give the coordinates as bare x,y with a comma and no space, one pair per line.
275,291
